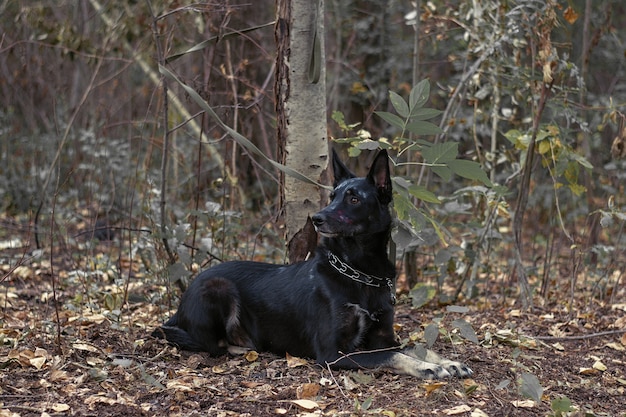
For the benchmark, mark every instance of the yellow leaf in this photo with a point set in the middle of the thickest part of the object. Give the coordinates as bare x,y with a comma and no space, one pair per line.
358,87
252,356
615,346
547,73
523,404
306,405
544,147
515,313
599,366
59,407
85,346
38,362
588,371
477,412
294,361
433,386
459,409
219,369
558,346
41,352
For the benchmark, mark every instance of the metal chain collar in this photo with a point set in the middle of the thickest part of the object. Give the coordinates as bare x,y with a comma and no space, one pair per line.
358,276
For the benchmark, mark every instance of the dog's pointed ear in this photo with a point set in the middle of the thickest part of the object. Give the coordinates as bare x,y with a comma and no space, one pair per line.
340,171
380,176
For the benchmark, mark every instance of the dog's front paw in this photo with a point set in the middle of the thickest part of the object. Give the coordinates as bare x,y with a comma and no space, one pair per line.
457,369
426,370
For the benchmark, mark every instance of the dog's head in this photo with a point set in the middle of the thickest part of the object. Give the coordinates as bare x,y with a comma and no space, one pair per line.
359,205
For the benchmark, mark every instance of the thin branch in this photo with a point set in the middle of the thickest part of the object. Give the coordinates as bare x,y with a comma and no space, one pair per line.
166,139
581,337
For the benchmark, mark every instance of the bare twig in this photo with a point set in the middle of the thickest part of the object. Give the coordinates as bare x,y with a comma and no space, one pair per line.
166,138
522,198
581,337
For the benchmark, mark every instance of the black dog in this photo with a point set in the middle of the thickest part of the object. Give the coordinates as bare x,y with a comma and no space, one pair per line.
336,307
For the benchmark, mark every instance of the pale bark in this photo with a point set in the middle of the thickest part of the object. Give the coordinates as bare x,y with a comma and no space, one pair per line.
301,107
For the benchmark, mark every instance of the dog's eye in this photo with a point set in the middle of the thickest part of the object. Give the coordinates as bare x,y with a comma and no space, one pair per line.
354,200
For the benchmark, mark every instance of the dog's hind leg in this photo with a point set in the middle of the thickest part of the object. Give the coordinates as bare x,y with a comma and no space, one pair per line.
179,337
454,368
208,318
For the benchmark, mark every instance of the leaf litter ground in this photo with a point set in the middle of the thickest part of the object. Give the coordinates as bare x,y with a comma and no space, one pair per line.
104,363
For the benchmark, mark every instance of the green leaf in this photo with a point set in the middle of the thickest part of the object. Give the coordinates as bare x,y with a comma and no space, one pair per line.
457,309
367,144
443,172
402,205
431,333
466,330
339,118
354,151
399,104
423,194
581,160
393,119
530,387
366,404
470,170
421,294
424,113
419,95
561,405
503,384
577,189
420,127
513,136
441,153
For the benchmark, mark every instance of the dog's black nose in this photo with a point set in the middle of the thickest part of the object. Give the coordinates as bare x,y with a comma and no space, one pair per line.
318,219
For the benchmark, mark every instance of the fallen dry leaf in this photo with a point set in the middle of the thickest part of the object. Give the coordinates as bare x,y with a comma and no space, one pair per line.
599,366
477,412
306,405
433,386
294,361
251,384
588,371
308,390
86,347
38,362
60,407
523,404
459,409
570,15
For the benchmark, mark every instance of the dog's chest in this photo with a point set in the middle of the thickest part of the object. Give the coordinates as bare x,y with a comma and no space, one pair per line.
355,324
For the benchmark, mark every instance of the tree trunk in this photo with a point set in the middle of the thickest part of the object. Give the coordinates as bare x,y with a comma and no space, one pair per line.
301,115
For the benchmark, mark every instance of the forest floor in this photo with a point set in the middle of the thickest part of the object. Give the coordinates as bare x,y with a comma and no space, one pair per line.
104,363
